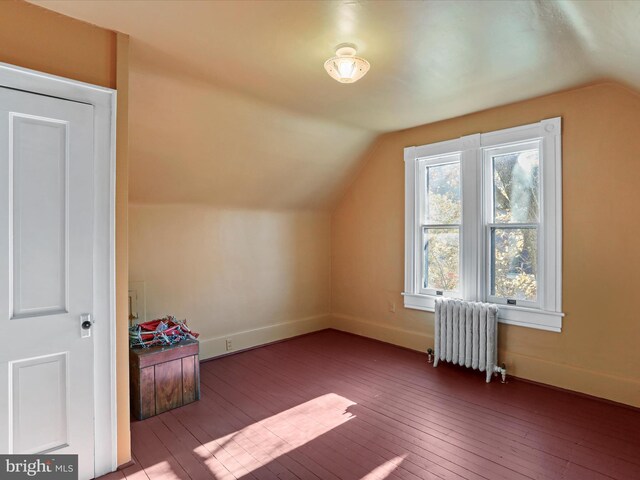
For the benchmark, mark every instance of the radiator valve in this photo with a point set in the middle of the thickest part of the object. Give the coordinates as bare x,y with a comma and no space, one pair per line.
502,370
429,355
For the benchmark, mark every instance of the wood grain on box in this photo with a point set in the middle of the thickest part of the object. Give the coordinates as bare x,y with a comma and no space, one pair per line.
163,378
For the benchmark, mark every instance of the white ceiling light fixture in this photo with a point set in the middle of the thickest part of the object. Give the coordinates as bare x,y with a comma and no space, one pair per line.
345,67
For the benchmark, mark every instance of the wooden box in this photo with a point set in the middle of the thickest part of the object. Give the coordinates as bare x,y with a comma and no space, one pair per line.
163,378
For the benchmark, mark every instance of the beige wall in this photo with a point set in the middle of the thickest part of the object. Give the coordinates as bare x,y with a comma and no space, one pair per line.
42,40
598,351
36,38
251,276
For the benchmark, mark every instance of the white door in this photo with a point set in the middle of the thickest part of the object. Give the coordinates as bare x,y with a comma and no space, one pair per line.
46,276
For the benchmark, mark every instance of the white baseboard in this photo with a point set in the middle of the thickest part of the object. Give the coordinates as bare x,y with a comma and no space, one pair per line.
414,340
242,340
569,377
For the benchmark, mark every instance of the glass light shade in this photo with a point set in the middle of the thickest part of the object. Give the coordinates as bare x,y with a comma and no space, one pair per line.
345,67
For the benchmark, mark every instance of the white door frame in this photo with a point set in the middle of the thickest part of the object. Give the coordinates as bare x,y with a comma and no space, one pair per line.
104,103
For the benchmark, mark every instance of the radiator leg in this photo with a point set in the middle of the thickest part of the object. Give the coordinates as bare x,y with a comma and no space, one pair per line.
429,355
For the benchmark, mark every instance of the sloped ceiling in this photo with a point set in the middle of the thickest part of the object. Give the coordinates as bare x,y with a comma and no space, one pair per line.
230,104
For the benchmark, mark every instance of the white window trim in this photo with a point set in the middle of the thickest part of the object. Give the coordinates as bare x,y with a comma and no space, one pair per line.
548,314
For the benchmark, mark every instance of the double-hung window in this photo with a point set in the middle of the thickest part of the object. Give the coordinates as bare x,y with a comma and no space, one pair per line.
483,223
440,225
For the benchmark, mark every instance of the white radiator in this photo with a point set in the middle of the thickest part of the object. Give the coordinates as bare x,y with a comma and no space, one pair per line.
466,334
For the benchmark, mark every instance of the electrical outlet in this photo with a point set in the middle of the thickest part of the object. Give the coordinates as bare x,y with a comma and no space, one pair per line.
229,345
392,307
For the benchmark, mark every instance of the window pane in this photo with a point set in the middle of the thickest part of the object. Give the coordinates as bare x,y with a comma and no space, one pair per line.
443,194
514,259
441,258
515,187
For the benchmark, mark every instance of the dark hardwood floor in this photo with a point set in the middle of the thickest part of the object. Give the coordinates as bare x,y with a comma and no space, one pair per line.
335,406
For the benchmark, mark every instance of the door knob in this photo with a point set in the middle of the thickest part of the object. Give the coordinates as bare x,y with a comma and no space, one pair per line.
85,325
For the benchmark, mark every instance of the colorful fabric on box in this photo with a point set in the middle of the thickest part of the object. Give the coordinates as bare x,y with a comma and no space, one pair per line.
164,331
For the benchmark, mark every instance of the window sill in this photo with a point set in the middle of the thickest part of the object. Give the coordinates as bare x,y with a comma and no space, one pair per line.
510,315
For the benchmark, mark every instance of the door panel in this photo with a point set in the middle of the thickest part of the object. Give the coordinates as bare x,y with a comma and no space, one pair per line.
39,215
40,426
46,250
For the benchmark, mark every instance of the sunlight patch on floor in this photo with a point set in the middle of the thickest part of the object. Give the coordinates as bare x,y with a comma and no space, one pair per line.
384,470
160,470
279,434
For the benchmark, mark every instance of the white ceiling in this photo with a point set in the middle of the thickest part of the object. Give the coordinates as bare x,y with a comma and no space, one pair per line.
255,70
